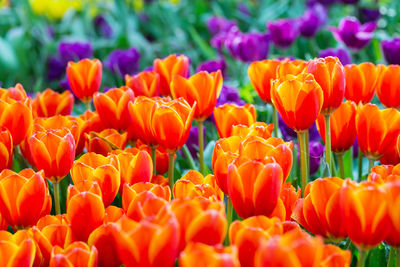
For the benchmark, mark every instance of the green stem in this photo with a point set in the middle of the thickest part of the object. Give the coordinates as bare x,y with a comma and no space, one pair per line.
201,146
371,163
362,258
88,106
189,157
347,244
392,254
171,159
229,213
360,164
303,161
307,139
341,165
56,191
397,257
154,157
328,157
275,121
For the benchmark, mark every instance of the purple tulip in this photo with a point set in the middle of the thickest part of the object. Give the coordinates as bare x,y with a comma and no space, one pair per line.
312,20
369,14
354,34
340,53
283,31
355,148
122,62
74,51
316,155
102,26
323,2
242,7
248,47
229,95
349,2
55,68
218,25
391,50
213,65
289,134
193,140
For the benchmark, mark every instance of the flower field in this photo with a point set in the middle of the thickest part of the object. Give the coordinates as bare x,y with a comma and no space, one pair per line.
199,133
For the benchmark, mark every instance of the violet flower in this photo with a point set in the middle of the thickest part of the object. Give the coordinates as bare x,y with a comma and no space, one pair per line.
283,31
289,134
391,50
102,27
323,2
316,155
122,62
349,2
312,20
340,53
192,142
74,51
218,25
248,47
354,34
229,95
368,14
213,65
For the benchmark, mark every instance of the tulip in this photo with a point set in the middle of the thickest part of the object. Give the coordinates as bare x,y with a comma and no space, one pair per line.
229,95
288,66
147,243
217,25
229,115
374,139
16,93
312,20
283,32
50,103
146,83
259,129
388,87
22,254
105,141
91,123
84,77
213,65
289,196
361,81
70,51
247,47
123,62
103,170
77,254
160,160
113,214
393,188
83,186
6,149
24,197
340,53
391,49
16,116
168,67
102,26
85,213
200,220
198,254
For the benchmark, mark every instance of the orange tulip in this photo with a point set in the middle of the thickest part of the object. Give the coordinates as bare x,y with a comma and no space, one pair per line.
24,197
12,254
168,67
6,149
361,81
148,243
161,156
260,129
393,201
298,99
388,87
105,141
398,145
194,184
50,103
321,211
203,88
261,73
16,116
390,157
144,200
112,107
85,213
77,254
229,115
289,196
376,130
53,151
384,173
113,214
103,170
83,186
292,67
248,234
84,77
198,254
225,151
329,74
91,123
145,83
200,220
171,122
254,187
17,93
343,127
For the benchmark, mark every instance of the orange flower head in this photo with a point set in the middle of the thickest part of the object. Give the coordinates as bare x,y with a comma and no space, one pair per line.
289,196
171,122
292,67
384,173
83,186
376,130
50,103
248,234
321,211
113,214
198,254
329,74
112,107
393,200
148,243
388,87
261,73
229,115
260,129
254,187
53,151
202,88
200,220
398,145
24,197
225,151
298,99
361,81
17,93
168,67
17,117
91,123
390,157
343,127
145,83
194,184
161,156
84,77
6,149
103,170
105,141
141,117
77,254
85,213
16,253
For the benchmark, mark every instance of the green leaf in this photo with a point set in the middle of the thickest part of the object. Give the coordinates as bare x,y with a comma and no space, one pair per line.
8,58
